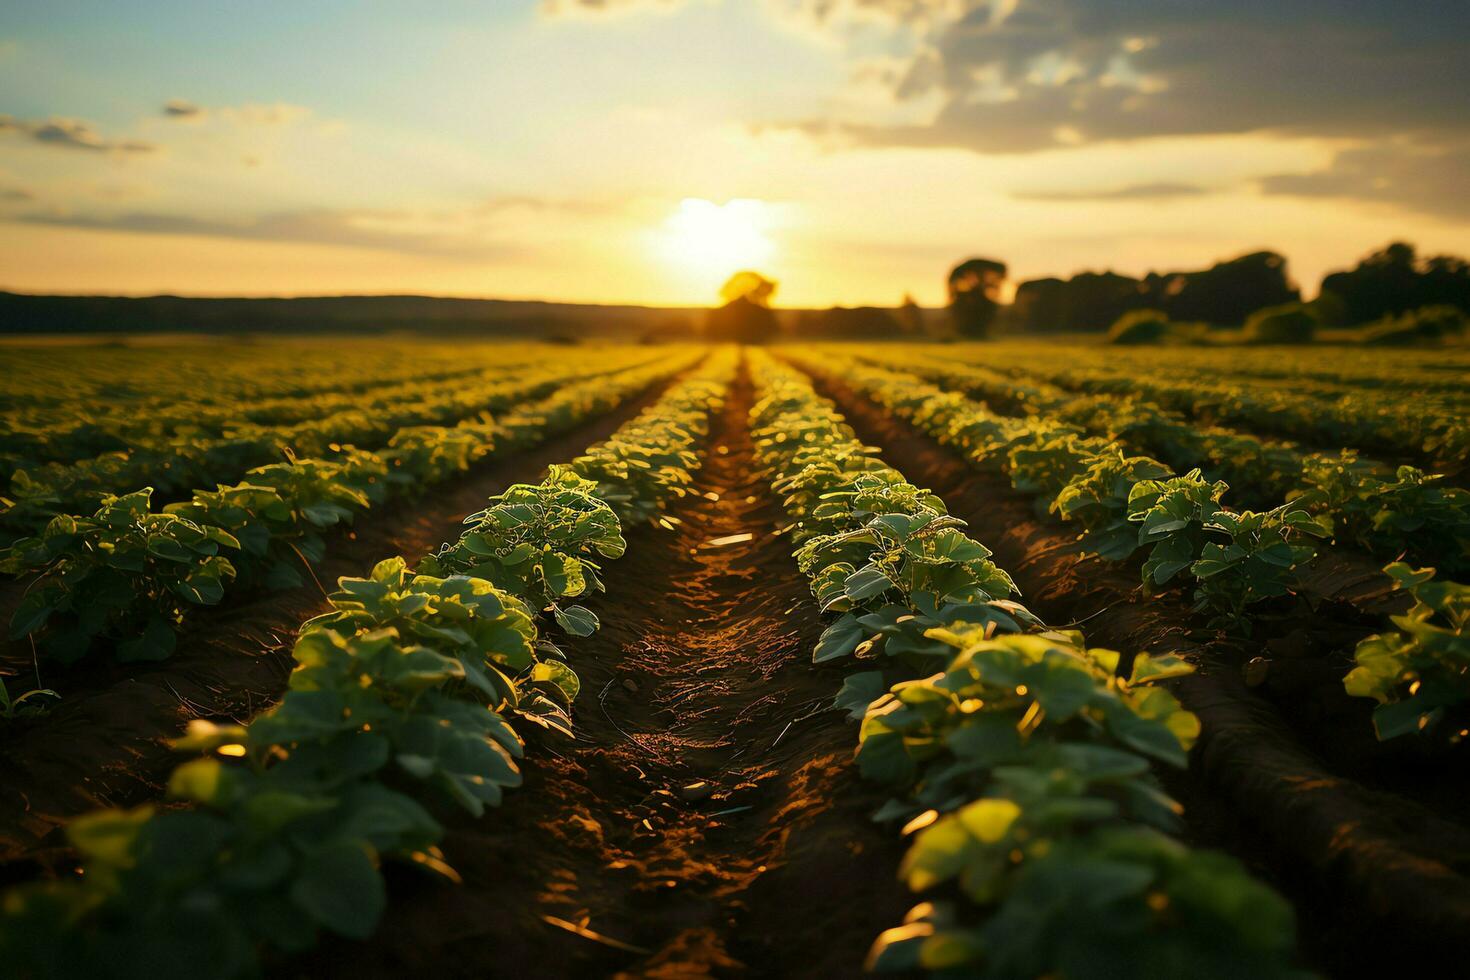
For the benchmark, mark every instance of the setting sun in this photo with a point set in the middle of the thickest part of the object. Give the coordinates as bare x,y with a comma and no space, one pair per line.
712,240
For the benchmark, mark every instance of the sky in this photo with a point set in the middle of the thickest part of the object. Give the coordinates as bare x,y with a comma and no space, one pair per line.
642,150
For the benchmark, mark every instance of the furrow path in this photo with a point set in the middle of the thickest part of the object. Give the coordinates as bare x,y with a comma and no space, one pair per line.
707,820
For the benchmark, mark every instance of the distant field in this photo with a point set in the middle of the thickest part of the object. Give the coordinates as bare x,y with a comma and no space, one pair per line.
562,627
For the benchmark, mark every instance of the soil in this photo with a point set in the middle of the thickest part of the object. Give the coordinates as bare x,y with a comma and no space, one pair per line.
707,820
1360,861
106,742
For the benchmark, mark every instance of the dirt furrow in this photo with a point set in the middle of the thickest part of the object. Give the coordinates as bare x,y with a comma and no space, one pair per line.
707,820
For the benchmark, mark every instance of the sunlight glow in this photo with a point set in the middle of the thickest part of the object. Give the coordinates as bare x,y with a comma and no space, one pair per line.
713,240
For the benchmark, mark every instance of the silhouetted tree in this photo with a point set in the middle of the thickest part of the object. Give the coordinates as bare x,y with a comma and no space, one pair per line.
911,316
1224,294
1087,301
974,295
746,316
1393,281
840,321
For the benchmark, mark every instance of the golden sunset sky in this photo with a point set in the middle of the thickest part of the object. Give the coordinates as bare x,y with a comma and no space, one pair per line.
641,150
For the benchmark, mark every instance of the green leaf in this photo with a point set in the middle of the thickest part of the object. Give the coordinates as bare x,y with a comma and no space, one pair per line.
339,886
576,620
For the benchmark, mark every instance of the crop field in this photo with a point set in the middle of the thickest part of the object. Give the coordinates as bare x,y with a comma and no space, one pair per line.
1009,659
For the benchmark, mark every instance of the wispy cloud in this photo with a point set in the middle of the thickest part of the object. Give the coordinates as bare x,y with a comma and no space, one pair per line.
68,133
1160,191
250,113
1424,177
603,8
184,110
448,236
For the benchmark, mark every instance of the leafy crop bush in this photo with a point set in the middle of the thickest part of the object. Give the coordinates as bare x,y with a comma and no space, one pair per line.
1290,323
124,574
539,541
1097,498
1411,511
1419,674
1183,520
1027,765
1428,324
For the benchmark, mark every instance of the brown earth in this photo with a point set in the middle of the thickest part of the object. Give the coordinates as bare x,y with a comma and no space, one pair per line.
105,743
706,820
1361,862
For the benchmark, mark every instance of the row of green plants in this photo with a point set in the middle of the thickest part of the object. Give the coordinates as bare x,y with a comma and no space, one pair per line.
177,460
1122,505
159,392
1019,758
1319,369
407,704
1373,420
126,579
1133,505
1386,511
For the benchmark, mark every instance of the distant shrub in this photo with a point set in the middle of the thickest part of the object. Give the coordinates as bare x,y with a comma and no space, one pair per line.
1289,323
1428,324
1154,327
1140,327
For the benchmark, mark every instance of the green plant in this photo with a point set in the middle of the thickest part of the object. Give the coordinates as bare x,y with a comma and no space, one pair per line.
1183,520
125,574
33,702
1420,673
540,541
1410,511
1097,499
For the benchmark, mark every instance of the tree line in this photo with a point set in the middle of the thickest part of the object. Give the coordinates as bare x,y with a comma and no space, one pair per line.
1391,282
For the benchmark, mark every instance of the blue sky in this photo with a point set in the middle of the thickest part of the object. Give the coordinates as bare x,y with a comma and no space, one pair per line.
592,150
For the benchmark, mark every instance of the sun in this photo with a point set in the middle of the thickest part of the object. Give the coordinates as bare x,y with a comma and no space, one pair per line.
712,240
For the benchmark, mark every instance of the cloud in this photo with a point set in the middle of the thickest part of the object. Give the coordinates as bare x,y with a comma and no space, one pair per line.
1023,76
73,134
273,114
1147,68
1426,178
564,9
250,114
448,236
183,109
1162,190
16,194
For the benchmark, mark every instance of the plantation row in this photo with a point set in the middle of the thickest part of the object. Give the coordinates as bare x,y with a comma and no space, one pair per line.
1124,505
1018,756
125,579
1320,368
408,692
56,416
1386,511
187,447
69,378
1374,420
